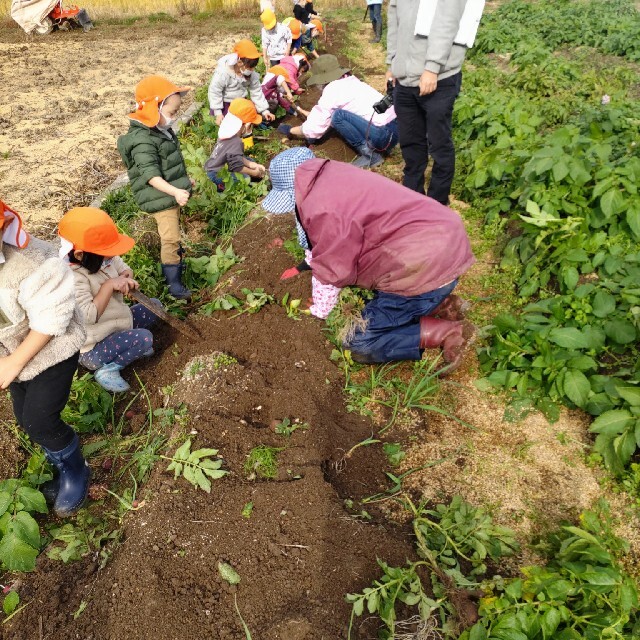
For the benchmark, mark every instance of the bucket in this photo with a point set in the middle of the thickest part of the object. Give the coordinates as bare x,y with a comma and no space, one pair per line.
247,141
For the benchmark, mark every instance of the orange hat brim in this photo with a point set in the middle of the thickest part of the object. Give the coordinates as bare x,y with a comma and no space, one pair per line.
148,112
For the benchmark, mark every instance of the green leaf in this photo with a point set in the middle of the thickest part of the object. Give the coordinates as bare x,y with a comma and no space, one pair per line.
5,500
630,394
569,338
576,387
32,500
550,621
10,603
478,632
612,202
25,527
633,220
17,555
603,304
611,422
228,573
620,331
571,277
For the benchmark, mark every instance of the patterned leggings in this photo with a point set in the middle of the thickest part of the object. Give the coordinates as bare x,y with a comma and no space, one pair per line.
123,347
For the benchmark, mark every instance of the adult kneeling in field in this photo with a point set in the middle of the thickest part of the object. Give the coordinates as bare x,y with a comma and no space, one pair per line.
365,230
346,104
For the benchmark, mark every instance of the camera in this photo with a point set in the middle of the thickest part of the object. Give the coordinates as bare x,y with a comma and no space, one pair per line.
383,105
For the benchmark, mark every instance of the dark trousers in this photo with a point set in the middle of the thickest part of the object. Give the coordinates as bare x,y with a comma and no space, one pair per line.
424,127
37,404
375,13
393,326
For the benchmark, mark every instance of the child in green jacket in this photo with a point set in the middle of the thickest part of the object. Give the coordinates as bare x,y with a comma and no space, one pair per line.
157,172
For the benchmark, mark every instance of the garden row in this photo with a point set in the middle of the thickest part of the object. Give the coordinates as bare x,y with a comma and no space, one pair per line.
548,144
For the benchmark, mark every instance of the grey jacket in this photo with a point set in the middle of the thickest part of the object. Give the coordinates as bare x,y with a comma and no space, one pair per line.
226,85
37,292
409,55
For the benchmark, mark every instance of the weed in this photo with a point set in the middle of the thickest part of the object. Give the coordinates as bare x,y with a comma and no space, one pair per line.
292,307
89,406
247,510
262,462
223,360
293,248
394,453
10,602
196,367
286,427
196,466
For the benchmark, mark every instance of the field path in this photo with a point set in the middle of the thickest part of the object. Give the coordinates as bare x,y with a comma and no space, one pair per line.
67,97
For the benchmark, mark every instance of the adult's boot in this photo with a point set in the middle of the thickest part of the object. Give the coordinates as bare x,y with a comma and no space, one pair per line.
172,274
453,307
368,158
73,478
378,31
452,337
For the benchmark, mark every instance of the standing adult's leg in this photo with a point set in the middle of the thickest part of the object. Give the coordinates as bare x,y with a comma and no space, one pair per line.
439,108
412,135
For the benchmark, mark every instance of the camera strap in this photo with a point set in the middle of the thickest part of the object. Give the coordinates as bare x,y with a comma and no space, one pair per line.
366,137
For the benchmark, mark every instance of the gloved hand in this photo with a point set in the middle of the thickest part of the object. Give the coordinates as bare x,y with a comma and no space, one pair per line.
289,273
285,129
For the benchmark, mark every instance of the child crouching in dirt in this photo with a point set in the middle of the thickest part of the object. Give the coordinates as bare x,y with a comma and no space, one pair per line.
117,334
229,150
41,332
157,172
275,86
295,66
235,77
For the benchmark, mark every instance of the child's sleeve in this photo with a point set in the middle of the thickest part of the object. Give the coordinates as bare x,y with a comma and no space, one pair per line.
325,298
235,157
48,297
84,298
147,160
257,96
216,92
120,265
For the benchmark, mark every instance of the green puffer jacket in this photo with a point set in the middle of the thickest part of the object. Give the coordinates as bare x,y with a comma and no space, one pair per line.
148,153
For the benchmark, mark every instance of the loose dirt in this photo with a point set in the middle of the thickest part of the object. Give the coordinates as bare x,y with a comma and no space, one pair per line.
67,96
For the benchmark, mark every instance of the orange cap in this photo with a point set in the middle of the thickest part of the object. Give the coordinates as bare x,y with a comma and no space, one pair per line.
92,230
245,110
151,92
268,19
318,25
11,223
280,71
296,28
246,49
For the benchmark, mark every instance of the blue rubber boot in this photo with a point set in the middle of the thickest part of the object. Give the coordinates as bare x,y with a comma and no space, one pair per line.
109,378
73,478
50,488
172,274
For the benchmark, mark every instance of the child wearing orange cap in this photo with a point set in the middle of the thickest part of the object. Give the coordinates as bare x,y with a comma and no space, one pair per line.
117,334
276,39
41,332
303,34
235,77
229,150
157,172
275,86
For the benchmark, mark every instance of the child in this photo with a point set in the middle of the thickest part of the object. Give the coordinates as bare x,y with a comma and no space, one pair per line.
229,150
302,35
275,86
276,39
157,172
234,77
40,334
295,66
117,334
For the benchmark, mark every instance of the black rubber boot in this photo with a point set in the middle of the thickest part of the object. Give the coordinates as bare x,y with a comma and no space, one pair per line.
73,478
172,274
378,31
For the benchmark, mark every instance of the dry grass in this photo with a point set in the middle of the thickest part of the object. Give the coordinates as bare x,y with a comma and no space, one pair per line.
105,9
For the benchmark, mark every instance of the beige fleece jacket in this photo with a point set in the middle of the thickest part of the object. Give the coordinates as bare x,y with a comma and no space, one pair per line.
117,314
37,293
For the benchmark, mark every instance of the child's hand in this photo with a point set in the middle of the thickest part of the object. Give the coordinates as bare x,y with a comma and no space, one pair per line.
127,273
262,170
123,284
219,119
181,196
9,370
268,116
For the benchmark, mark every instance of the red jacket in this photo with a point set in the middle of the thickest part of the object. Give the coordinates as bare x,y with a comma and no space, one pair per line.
369,231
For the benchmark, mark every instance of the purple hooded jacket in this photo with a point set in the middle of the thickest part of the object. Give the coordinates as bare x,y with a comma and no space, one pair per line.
369,231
